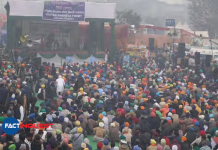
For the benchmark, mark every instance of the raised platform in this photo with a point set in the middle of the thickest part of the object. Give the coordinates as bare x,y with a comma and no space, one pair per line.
59,57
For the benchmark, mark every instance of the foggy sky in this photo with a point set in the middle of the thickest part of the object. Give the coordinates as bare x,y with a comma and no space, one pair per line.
154,11
151,11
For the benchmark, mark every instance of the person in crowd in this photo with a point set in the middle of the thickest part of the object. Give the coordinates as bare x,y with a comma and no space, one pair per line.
100,132
60,85
144,105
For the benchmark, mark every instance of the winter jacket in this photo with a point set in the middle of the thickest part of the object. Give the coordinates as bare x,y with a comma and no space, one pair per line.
145,138
124,147
175,119
185,145
205,148
191,136
154,122
151,148
110,118
99,132
144,125
167,129
113,135
78,139
211,126
128,137
126,108
105,147
188,122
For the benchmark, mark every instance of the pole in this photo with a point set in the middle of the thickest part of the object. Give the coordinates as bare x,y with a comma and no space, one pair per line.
112,24
211,51
102,37
173,37
211,47
211,44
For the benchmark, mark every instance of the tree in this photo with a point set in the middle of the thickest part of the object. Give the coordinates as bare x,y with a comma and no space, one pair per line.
203,16
128,17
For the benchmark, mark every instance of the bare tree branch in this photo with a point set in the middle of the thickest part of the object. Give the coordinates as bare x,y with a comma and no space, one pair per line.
203,16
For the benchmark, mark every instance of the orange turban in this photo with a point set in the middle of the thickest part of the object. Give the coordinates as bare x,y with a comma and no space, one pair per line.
126,124
145,99
208,107
193,101
184,139
100,116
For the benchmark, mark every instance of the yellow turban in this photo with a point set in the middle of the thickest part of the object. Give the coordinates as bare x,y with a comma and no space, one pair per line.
153,141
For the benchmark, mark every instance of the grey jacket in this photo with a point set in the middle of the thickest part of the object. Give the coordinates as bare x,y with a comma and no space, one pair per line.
77,140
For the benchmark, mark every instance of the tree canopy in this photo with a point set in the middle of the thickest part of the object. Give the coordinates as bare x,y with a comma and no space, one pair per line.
203,16
128,17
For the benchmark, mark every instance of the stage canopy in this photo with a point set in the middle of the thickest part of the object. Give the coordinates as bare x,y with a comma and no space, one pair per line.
24,15
35,9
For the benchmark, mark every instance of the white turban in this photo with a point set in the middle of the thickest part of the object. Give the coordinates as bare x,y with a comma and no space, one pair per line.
101,124
66,120
174,147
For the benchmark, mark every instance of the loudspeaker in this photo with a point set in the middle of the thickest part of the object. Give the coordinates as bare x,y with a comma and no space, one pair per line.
184,62
37,61
197,69
181,50
151,44
208,60
197,58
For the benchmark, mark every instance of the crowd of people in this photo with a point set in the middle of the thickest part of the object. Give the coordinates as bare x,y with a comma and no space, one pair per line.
140,107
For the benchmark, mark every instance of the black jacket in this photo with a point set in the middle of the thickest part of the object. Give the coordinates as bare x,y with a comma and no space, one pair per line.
3,95
20,143
191,136
185,145
144,125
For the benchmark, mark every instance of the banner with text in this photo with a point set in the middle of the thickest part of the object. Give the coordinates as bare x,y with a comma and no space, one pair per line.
126,60
64,11
69,60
